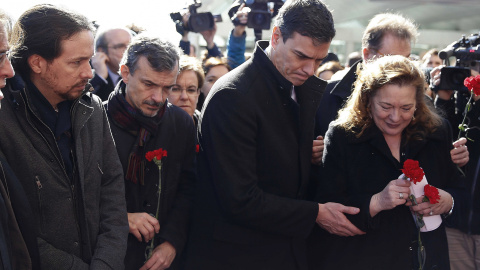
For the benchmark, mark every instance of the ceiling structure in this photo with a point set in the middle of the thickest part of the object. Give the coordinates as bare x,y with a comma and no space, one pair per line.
440,22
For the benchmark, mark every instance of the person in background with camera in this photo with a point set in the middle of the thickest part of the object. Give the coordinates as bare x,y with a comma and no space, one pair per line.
463,227
237,38
250,210
110,44
184,27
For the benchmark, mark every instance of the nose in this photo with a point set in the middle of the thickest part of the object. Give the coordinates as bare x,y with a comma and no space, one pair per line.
310,68
157,96
395,115
6,70
87,71
184,95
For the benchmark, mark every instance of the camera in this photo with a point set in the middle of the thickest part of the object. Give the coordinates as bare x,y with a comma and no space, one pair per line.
197,22
467,54
261,14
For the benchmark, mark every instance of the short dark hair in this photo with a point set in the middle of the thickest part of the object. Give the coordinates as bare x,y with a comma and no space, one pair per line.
40,30
310,18
162,55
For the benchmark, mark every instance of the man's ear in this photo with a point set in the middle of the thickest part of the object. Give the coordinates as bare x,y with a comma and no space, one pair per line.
276,36
37,63
124,72
366,54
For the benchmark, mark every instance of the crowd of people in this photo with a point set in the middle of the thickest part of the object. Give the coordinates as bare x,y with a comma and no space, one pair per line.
121,150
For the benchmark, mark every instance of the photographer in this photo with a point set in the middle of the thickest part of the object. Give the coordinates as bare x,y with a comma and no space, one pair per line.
184,26
463,227
237,37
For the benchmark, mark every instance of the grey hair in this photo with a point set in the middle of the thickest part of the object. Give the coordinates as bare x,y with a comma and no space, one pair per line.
162,55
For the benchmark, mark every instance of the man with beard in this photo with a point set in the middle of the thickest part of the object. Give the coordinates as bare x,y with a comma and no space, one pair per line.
142,120
57,139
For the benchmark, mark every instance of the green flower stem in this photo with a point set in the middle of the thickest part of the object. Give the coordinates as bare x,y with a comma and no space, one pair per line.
467,108
152,242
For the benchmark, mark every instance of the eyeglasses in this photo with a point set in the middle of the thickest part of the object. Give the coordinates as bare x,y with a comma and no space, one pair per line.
3,57
177,91
119,46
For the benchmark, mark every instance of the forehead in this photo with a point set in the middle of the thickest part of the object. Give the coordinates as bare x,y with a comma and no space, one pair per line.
392,45
118,35
396,94
308,46
188,76
218,71
144,71
3,37
78,46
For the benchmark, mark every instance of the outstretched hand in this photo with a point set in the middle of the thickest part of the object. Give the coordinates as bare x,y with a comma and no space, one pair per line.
331,217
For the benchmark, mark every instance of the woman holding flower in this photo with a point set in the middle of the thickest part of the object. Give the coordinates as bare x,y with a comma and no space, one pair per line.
385,122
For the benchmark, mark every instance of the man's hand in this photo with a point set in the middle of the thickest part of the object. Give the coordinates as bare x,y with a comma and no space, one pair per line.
143,224
331,217
162,257
459,153
208,35
99,63
317,151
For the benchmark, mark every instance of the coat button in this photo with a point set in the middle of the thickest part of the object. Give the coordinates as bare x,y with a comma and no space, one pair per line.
75,244
84,112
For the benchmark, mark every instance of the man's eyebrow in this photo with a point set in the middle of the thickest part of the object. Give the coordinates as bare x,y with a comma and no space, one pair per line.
301,54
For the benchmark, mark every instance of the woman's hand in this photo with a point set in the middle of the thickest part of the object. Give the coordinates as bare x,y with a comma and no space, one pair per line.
427,209
395,193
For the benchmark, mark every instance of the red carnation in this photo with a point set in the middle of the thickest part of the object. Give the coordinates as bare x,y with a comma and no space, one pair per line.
158,154
412,171
197,148
431,193
473,84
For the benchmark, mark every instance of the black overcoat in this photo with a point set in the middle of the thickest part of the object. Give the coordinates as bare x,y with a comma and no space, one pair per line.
254,168
357,168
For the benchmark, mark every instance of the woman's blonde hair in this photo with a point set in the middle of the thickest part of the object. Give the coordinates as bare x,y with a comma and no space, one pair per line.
389,70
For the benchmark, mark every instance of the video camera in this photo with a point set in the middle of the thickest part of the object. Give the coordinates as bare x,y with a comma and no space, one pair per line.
467,52
260,16
197,22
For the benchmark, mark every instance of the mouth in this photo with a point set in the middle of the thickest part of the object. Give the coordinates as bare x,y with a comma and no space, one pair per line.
393,125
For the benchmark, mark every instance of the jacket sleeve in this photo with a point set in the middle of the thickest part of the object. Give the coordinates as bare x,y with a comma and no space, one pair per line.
175,228
54,258
228,139
236,49
111,243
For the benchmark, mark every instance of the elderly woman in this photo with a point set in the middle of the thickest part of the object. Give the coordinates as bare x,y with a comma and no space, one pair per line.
185,92
385,122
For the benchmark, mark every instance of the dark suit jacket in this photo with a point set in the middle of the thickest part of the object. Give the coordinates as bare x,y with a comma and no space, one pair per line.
253,171
102,89
336,94
357,168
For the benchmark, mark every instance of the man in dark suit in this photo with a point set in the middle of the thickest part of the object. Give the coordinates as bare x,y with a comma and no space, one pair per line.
110,44
256,135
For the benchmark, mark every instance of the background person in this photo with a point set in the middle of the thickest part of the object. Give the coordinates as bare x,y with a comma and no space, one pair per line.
186,90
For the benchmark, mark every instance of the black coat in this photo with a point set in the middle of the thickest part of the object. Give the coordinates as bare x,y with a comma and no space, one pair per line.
253,171
357,168
335,96
176,134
